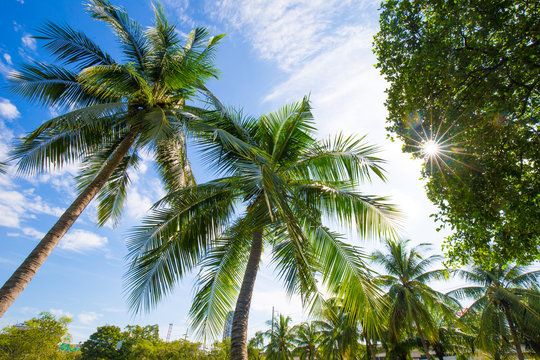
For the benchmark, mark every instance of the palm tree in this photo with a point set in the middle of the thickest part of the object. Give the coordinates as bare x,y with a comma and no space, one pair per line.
411,299
503,301
340,334
307,340
278,184
255,345
282,336
116,111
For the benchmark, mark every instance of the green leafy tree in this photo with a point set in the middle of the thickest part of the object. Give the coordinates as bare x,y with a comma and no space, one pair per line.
504,299
36,339
279,183
412,302
281,339
105,343
256,346
339,335
174,350
465,74
307,340
116,110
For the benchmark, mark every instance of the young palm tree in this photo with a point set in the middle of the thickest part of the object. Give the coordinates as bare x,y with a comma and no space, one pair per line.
340,335
278,184
307,340
281,336
411,299
503,298
116,110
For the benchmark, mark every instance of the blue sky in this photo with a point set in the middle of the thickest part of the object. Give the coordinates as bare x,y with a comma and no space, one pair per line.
275,52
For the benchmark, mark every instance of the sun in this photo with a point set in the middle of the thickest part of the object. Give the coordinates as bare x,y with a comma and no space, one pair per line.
430,148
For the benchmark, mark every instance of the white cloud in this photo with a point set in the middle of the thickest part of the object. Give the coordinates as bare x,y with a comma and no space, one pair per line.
137,204
15,206
8,110
7,57
29,42
82,240
59,313
33,233
290,32
88,317
20,1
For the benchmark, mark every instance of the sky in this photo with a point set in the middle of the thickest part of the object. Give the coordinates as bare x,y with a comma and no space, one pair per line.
275,52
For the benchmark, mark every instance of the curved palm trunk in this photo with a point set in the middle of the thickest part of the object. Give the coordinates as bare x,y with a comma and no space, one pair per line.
517,343
241,312
423,340
26,271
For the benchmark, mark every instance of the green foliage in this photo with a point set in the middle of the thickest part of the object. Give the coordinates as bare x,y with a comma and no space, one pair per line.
281,339
110,342
466,74
36,339
505,300
277,178
413,304
105,100
174,350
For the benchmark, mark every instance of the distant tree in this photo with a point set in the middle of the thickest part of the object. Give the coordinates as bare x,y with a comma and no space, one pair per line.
256,346
504,302
280,339
174,350
467,74
412,302
221,350
339,334
110,342
36,339
307,340
105,343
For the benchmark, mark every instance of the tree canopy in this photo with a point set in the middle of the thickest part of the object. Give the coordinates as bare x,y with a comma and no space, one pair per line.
465,76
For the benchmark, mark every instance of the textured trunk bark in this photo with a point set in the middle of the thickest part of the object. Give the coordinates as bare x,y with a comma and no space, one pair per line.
423,340
26,271
517,343
174,164
241,313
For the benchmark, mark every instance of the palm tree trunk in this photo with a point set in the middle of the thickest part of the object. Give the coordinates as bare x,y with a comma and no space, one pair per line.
371,348
422,339
517,343
26,271
241,312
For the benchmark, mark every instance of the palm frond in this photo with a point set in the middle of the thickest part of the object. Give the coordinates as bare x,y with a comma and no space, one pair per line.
71,46
130,34
340,158
51,85
219,281
171,241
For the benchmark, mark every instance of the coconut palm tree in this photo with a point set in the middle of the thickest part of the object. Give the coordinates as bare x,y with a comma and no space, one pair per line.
307,340
115,110
340,335
504,302
278,183
411,300
281,336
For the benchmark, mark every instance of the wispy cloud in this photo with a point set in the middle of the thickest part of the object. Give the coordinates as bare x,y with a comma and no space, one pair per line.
290,32
60,313
29,42
88,317
79,240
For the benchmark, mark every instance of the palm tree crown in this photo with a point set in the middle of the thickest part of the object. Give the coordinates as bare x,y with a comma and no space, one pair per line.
115,111
278,183
411,299
504,299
